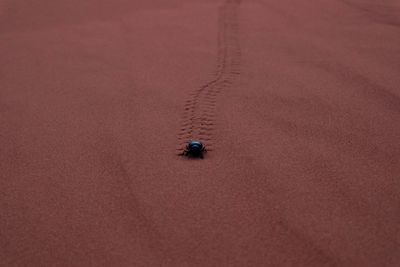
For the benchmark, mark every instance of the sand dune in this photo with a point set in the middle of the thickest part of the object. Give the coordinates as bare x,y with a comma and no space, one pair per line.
298,102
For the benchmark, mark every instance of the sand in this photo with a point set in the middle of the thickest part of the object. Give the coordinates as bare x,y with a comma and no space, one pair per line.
297,101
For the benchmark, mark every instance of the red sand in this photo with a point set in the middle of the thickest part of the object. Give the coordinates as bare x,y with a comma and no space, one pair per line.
303,120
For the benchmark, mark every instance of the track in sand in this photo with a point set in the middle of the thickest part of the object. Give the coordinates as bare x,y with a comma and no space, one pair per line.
200,109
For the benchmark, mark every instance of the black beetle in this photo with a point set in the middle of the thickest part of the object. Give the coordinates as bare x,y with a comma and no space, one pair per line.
194,149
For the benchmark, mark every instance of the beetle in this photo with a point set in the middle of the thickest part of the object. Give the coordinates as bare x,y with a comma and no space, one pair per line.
195,149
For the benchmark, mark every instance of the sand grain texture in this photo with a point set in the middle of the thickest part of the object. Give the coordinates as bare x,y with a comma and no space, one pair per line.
299,101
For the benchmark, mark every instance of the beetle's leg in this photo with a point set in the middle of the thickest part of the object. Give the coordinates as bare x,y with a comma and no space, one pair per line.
183,153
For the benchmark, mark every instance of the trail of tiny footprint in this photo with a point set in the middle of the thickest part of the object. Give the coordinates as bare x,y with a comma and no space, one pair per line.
200,109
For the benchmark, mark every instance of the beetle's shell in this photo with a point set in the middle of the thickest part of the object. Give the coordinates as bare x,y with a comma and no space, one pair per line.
195,147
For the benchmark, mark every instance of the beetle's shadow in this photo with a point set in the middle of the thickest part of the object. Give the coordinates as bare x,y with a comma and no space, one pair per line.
190,157
194,157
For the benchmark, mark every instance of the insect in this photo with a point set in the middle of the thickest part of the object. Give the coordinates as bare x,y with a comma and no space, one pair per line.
194,149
